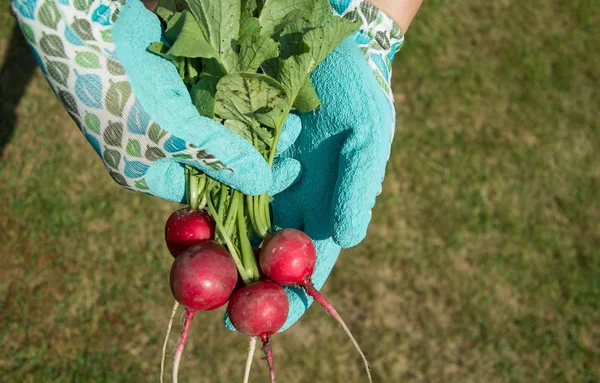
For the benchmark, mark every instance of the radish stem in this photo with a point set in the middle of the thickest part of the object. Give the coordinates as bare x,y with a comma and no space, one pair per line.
264,199
310,290
260,222
230,246
232,212
189,315
251,348
247,254
164,349
251,213
222,200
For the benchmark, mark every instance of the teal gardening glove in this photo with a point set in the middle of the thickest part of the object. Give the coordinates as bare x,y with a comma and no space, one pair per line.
339,159
130,104
343,147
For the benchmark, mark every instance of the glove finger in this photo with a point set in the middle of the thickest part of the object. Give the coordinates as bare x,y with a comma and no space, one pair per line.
362,164
166,179
289,133
155,81
286,172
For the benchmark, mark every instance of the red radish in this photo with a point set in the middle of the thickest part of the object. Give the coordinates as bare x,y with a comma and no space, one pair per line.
187,227
288,257
202,279
259,309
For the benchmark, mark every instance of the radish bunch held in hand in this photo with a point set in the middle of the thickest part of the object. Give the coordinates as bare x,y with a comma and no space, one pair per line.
246,65
203,278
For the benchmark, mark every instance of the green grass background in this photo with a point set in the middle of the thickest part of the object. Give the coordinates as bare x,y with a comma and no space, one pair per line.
482,263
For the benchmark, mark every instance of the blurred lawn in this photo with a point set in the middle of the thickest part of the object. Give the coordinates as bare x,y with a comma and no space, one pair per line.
482,263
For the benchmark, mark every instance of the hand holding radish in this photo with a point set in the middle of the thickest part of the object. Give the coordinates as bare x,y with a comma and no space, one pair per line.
212,87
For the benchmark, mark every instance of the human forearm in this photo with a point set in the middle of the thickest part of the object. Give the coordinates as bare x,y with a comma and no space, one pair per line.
401,11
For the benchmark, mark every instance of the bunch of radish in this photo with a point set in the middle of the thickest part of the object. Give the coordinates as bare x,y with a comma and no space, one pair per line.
246,65
204,277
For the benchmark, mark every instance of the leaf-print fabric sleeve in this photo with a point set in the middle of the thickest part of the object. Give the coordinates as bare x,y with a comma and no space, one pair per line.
72,41
379,38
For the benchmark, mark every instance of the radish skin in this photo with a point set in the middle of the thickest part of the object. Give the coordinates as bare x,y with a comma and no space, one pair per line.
202,279
187,227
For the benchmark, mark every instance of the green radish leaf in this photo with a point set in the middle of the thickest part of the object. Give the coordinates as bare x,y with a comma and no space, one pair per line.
164,14
52,45
112,157
251,98
153,153
49,15
172,6
28,32
307,98
275,15
68,101
239,128
114,67
159,48
203,95
133,148
303,48
83,29
141,184
155,133
192,66
219,22
82,5
113,134
321,14
322,41
106,35
116,97
255,47
58,71
173,27
263,134
251,6
189,42
87,60
92,122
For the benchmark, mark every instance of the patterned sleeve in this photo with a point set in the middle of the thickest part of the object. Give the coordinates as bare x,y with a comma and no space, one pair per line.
379,37
72,43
